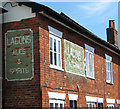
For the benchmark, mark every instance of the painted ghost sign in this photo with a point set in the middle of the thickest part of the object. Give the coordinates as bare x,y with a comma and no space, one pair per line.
19,55
74,58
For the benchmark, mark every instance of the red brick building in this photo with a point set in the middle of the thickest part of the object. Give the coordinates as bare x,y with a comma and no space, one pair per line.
51,61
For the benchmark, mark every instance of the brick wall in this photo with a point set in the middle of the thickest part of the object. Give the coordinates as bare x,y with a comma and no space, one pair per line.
60,81
29,93
21,94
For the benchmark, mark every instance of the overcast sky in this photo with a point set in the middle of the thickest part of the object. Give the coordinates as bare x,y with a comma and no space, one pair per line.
94,16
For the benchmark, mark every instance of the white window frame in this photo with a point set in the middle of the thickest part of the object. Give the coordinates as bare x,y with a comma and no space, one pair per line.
74,105
93,100
58,98
73,97
109,69
118,104
55,35
93,104
110,105
56,102
89,51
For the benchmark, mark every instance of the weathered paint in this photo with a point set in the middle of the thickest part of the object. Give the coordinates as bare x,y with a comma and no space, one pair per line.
19,54
12,15
74,58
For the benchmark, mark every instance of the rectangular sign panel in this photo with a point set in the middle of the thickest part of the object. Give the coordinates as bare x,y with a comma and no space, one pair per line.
19,55
74,58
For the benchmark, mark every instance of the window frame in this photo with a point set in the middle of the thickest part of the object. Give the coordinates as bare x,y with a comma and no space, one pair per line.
109,105
74,104
56,98
118,103
54,101
73,97
91,103
89,50
118,106
109,69
101,105
54,37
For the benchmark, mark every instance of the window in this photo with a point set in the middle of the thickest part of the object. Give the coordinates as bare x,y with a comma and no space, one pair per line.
109,73
118,106
56,100
91,105
92,101
73,104
56,104
73,101
110,106
55,48
110,103
89,61
55,51
100,105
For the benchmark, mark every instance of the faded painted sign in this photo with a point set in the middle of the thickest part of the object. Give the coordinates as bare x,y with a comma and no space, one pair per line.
74,58
19,55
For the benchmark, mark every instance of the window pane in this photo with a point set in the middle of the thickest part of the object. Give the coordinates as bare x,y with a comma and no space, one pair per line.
90,106
59,60
100,105
75,104
54,44
58,46
108,77
86,57
93,106
51,43
89,58
90,70
55,58
87,62
107,66
51,105
90,64
110,66
118,106
51,57
111,77
61,106
87,106
56,105
71,104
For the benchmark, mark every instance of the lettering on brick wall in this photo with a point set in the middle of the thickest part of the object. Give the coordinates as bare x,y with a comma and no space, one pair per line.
19,55
74,58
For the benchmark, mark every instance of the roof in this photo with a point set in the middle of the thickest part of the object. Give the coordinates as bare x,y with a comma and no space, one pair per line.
64,19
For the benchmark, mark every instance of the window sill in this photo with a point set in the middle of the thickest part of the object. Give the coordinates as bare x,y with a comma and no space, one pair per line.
89,77
109,83
56,68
